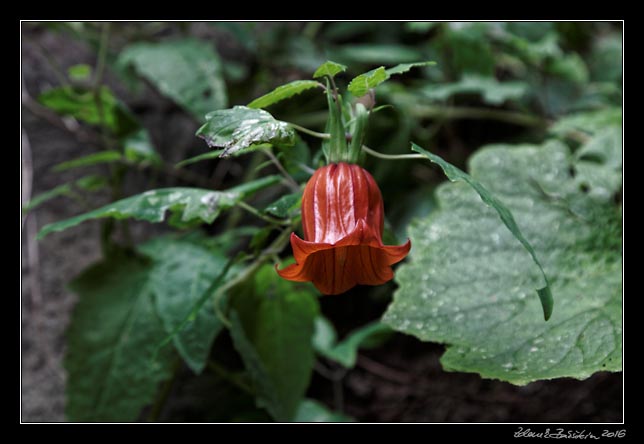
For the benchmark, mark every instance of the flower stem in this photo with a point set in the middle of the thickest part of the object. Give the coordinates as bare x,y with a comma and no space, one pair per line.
310,132
373,153
255,212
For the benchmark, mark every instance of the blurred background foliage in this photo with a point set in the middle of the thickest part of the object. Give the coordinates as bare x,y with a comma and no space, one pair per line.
515,82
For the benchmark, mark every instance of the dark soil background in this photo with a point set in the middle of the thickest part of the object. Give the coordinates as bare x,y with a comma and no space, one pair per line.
401,381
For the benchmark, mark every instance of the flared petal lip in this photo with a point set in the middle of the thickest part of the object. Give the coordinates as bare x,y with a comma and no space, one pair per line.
362,235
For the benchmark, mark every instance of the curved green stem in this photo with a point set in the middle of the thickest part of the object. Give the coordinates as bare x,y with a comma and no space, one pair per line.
255,212
309,132
373,153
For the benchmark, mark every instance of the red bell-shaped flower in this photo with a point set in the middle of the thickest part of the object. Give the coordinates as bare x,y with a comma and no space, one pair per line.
343,220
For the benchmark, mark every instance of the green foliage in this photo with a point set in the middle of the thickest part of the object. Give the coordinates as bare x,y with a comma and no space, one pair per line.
181,272
588,122
87,183
111,342
286,206
455,174
108,156
80,73
283,92
272,326
468,279
241,129
84,105
361,85
491,90
312,411
187,71
138,147
345,352
329,69
190,203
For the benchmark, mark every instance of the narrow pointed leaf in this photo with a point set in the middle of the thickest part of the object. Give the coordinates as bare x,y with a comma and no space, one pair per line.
404,67
283,92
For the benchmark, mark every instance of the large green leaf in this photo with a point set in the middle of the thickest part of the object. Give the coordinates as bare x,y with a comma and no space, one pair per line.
240,129
111,361
84,105
182,271
191,203
187,71
283,92
468,280
272,326
455,174
491,90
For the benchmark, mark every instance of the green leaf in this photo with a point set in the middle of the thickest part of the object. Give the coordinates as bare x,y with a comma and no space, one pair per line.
241,129
589,122
272,325
492,91
598,164
111,343
329,69
361,85
205,156
83,105
454,174
182,271
87,183
285,206
375,53
151,206
138,148
346,351
187,71
468,281
313,411
283,92
107,156
404,67
80,73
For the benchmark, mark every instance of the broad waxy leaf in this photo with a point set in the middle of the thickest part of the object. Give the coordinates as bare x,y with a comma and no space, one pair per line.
468,281
187,71
241,129
192,203
272,326
329,69
454,174
112,343
182,271
283,92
